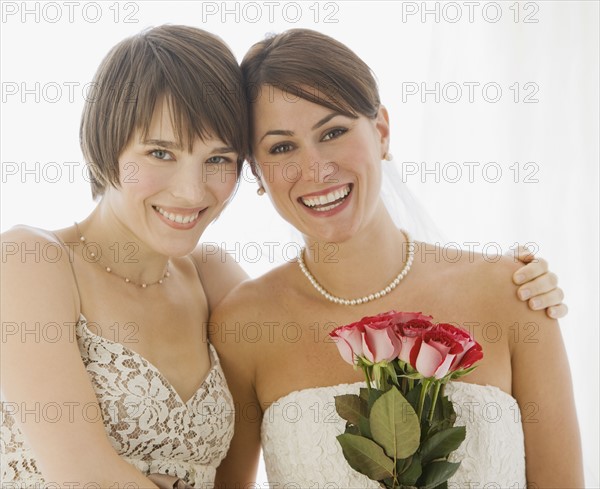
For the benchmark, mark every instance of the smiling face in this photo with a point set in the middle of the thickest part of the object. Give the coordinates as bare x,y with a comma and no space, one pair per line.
167,194
320,168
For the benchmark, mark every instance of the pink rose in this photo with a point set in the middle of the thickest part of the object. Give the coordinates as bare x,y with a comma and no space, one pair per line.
433,353
380,342
474,354
410,332
349,340
405,317
443,349
372,338
472,351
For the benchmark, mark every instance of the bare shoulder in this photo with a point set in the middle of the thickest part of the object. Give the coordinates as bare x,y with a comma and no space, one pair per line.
257,302
218,270
486,278
483,285
251,298
34,264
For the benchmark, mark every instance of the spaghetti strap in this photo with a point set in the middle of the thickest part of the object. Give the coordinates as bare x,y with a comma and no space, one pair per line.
70,254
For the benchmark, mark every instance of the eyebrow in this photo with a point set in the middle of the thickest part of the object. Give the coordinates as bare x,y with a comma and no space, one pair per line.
162,142
224,149
281,132
174,145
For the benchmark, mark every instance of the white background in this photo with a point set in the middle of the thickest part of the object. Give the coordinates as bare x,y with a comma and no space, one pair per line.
546,49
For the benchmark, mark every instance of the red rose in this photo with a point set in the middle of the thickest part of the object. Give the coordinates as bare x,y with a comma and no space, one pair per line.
442,349
474,354
372,338
470,346
409,333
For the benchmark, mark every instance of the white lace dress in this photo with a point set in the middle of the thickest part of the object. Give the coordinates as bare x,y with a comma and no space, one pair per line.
301,451
146,421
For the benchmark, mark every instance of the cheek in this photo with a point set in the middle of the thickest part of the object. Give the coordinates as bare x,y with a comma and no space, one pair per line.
137,181
222,182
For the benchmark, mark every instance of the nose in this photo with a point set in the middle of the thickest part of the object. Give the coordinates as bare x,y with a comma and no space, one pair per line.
315,166
188,184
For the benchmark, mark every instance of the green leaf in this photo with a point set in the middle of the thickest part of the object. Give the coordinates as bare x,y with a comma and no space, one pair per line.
461,373
366,457
436,473
444,416
402,464
373,395
395,425
411,472
364,427
442,443
348,407
364,393
412,396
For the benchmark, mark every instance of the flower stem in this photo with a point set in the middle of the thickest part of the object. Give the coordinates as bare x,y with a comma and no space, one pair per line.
424,391
436,391
367,377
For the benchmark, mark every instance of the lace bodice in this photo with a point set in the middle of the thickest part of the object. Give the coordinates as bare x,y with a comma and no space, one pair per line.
300,447
146,421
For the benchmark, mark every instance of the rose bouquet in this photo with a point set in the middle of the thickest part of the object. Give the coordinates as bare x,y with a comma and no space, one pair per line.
400,429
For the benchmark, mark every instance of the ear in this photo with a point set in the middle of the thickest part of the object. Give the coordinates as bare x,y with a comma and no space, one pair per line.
382,124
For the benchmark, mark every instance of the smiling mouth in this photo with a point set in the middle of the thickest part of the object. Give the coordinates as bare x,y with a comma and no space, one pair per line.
328,201
178,218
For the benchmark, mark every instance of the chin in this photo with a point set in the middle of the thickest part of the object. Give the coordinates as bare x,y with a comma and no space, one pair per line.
180,251
332,235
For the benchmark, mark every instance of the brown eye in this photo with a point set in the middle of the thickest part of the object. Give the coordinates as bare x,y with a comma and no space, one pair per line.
281,148
334,133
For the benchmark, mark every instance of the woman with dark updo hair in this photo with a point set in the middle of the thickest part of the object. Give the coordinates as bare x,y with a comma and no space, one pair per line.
314,107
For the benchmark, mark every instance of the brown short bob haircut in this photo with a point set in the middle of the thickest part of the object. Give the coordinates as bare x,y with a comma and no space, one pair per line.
315,67
193,69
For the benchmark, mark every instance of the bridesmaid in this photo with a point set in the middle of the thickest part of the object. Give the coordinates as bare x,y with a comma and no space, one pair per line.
106,370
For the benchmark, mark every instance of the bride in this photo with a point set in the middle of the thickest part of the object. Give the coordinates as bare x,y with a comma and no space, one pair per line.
319,135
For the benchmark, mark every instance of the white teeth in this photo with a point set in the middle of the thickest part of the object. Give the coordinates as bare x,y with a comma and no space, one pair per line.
178,218
326,199
327,207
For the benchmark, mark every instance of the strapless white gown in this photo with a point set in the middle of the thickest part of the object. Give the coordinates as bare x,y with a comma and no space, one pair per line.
301,451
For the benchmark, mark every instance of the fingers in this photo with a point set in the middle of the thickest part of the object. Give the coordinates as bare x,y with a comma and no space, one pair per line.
549,299
531,271
537,286
557,312
524,254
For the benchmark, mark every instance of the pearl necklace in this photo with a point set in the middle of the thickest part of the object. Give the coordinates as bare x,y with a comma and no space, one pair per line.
143,285
410,254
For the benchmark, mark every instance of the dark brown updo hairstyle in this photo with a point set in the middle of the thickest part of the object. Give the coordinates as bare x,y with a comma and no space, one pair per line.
193,69
315,67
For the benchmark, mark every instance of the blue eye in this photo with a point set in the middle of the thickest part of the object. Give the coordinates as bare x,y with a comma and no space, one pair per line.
334,133
161,154
215,160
